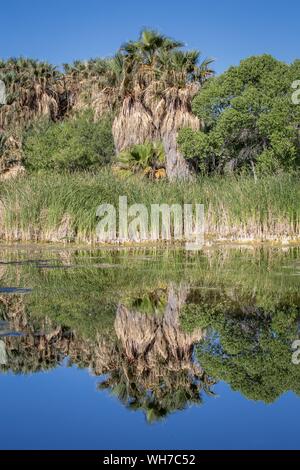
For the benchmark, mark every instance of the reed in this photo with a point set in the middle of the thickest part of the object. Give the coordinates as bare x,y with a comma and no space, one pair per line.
56,207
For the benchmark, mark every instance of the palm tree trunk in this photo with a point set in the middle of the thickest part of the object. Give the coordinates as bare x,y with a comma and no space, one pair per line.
176,166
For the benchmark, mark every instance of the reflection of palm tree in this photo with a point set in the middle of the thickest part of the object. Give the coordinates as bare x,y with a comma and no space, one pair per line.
149,363
3,354
154,338
172,392
41,346
156,371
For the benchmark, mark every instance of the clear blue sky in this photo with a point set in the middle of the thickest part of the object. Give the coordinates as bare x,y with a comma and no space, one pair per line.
228,30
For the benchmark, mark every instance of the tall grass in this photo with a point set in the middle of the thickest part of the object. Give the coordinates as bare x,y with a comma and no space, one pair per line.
57,207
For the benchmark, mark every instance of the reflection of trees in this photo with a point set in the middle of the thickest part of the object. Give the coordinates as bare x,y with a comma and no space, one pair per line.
148,358
148,363
159,397
41,345
155,370
250,348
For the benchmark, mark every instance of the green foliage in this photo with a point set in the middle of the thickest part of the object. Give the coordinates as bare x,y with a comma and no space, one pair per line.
164,59
78,143
249,347
194,145
249,118
143,158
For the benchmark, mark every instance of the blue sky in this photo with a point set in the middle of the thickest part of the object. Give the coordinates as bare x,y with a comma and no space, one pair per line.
228,30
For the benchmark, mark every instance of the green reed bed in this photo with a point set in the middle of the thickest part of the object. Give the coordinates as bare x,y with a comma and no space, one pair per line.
62,207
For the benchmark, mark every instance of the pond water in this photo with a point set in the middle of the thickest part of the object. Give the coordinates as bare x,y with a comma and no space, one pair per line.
149,348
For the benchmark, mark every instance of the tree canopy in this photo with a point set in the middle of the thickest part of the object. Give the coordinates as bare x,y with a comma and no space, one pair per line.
248,118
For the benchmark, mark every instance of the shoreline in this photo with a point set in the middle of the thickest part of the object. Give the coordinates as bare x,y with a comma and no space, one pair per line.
113,245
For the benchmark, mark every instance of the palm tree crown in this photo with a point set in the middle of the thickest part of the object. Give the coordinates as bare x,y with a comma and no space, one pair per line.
148,85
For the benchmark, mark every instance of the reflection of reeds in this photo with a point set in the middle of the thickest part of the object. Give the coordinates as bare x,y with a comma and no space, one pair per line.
77,286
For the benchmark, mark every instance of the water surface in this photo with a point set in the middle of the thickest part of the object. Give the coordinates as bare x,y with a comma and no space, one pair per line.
150,349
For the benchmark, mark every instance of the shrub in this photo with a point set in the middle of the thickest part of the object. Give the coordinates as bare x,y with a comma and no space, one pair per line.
147,159
78,143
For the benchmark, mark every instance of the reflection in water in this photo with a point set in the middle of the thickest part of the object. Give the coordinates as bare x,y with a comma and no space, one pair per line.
3,355
161,348
154,368
148,362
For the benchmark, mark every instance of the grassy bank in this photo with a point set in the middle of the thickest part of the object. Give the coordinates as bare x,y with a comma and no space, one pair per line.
62,207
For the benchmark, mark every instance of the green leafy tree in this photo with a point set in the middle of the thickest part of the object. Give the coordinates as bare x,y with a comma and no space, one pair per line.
194,146
249,118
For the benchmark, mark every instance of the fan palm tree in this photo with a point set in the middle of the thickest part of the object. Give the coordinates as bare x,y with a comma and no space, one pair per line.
91,82
146,50
33,90
161,81
147,158
149,84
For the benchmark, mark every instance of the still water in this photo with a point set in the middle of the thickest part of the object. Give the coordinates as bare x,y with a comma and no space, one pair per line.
150,349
